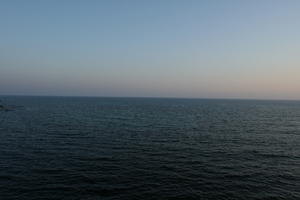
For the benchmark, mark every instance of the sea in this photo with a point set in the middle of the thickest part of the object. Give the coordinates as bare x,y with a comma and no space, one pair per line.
90,148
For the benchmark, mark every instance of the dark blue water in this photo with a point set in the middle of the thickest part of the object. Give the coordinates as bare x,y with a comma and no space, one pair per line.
130,148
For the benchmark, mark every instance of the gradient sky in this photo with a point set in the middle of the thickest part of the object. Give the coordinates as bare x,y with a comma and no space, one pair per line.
202,49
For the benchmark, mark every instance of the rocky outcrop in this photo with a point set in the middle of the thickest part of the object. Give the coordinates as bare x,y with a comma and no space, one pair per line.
6,108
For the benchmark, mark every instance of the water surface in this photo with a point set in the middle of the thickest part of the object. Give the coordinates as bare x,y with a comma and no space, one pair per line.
142,148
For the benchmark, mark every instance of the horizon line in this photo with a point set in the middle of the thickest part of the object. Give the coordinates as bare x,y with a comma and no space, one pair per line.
148,97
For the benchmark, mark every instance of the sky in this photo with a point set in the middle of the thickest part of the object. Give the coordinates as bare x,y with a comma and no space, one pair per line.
157,48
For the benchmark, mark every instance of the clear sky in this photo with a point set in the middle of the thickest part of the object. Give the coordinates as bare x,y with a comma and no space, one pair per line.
154,48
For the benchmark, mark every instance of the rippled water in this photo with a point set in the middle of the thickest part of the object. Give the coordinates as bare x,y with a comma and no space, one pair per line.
135,148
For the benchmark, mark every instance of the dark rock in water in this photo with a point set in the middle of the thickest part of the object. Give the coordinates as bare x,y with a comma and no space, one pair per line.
6,108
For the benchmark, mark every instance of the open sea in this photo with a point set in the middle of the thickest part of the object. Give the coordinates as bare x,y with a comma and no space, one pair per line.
86,148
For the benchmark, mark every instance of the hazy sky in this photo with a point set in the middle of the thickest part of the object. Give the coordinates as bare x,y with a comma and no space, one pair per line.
206,49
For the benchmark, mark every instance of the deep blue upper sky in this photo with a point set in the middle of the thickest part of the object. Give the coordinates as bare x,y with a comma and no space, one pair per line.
209,49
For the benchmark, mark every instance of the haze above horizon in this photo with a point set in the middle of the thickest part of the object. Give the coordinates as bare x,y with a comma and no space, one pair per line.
184,49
